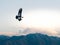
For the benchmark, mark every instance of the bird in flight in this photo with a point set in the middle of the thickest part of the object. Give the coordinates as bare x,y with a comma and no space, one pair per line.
19,16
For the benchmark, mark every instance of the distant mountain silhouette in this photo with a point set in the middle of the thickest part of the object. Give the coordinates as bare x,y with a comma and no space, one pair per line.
30,39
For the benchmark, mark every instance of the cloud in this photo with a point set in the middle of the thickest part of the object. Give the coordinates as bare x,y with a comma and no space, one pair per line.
50,32
25,31
8,33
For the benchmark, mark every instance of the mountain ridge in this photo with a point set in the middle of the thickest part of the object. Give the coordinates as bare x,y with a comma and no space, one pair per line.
30,39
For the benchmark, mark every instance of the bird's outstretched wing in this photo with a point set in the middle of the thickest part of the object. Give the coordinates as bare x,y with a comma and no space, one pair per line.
20,11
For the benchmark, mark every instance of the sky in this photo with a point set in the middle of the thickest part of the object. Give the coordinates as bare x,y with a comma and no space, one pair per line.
41,16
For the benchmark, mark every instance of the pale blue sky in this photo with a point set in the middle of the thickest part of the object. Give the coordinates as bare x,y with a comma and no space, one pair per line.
9,9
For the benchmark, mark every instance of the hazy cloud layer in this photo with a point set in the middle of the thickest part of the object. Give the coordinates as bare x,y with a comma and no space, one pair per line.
43,31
